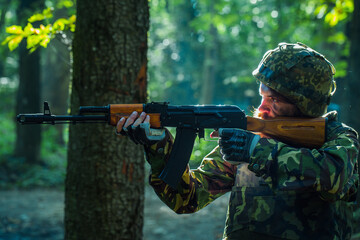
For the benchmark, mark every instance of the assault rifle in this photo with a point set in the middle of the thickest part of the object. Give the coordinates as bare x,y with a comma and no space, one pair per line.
190,121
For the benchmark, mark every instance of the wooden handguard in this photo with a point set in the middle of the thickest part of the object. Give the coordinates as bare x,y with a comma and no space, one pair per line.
118,111
305,132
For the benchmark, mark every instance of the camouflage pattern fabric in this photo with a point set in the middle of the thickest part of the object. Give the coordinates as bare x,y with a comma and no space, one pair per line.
300,193
300,74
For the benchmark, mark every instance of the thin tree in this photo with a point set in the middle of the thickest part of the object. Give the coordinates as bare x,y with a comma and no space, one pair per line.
28,138
104,190
56,75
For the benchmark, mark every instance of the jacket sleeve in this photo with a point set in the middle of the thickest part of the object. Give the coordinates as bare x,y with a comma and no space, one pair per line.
198,187
329,170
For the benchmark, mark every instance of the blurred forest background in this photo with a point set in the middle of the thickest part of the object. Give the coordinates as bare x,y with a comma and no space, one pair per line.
200,52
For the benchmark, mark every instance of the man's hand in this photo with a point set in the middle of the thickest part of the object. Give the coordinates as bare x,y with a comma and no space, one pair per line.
137,128
237,145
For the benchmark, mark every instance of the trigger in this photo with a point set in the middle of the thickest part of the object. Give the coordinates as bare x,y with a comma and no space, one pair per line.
157,132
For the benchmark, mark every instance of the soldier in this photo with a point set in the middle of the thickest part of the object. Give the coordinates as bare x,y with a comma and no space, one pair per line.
278,191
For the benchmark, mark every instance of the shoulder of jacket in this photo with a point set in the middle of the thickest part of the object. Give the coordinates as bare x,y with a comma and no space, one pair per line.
335,128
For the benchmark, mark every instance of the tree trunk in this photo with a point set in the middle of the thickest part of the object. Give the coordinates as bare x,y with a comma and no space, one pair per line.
56,79
210,70
104,190
353,113
28,138
354,70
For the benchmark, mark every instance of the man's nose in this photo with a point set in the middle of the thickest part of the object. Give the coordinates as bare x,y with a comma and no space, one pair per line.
264,106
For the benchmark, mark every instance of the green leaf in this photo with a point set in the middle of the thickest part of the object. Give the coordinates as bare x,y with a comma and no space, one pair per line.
46,13
45,41
341,69
72,24
33,49
36,17
14,43
65,3
33,41
332,18
29,30
321,10
349,5
59,25
14,29
7,39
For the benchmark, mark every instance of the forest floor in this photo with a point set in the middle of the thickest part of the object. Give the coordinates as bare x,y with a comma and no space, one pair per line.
38,215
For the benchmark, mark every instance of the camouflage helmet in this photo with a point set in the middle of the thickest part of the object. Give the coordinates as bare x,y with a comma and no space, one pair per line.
300,74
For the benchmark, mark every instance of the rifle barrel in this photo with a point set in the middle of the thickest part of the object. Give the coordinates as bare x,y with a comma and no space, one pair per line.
60,119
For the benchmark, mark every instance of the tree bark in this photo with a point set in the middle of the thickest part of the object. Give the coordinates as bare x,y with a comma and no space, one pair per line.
353,111
104,190
354,70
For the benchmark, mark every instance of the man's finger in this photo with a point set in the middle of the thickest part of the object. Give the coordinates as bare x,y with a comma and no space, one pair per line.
120,124
147,119
131,119
140,119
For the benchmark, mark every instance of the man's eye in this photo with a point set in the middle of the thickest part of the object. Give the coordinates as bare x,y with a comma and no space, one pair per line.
275,100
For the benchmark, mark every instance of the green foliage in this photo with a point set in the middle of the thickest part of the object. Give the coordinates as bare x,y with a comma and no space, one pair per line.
46,14
65,4
183,32
7,119
15,172
337,11
201,148
18,174
42,35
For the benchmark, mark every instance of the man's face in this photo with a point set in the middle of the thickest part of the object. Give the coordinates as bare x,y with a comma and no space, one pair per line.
275,105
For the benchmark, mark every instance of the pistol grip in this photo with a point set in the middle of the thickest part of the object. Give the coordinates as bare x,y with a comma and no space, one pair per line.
179,156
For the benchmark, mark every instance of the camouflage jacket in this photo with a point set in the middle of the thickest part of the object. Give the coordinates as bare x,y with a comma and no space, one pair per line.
284,192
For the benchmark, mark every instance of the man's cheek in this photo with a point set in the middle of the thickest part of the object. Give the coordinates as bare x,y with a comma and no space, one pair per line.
278,110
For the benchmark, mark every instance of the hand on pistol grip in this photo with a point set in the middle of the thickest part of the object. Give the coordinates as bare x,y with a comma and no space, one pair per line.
137,128
237,145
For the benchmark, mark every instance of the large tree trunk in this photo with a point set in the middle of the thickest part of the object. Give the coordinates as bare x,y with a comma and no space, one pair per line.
354,70
353,113
105,177
28,138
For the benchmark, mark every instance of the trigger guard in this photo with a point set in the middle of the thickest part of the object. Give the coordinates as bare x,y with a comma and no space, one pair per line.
152,134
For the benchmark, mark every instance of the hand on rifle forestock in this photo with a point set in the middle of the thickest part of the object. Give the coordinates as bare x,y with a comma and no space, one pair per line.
137,128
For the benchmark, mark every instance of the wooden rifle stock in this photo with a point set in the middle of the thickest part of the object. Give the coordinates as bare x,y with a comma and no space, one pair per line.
118,111
304,132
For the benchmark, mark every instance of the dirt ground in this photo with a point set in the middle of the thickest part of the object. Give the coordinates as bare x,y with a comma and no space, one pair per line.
38,215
